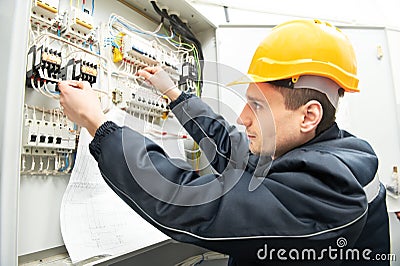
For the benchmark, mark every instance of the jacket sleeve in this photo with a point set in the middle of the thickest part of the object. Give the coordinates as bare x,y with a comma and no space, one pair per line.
223,145
219,212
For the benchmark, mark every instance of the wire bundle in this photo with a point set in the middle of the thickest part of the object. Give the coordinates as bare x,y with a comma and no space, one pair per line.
181,29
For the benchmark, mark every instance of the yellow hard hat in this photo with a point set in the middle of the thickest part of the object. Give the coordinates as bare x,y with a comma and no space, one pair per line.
304,47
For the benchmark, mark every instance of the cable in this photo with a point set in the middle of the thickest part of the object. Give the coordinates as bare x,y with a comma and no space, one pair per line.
133,27
31,34
182,29
196,260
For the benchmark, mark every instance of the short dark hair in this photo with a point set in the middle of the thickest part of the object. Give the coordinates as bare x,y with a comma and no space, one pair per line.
294,98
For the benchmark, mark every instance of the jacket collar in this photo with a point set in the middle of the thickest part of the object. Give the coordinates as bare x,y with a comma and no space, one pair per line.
332,132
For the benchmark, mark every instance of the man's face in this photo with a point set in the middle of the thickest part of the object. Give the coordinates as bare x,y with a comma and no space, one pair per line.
271,128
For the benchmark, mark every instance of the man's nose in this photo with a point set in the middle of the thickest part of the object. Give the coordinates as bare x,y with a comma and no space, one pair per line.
244,118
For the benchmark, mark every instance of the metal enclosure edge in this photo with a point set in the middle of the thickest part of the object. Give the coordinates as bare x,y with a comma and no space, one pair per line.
14,14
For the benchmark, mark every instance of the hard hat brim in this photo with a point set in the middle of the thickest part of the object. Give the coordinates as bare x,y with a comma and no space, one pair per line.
246,79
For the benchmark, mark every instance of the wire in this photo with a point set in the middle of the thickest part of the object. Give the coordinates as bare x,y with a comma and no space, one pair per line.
183,30
198,65
165,134
32,34
133,27
34,86
66,164
92,7
53,94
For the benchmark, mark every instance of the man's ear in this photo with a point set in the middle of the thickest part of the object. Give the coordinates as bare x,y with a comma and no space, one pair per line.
312,116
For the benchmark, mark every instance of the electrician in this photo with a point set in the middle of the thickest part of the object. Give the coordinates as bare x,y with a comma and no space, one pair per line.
299,191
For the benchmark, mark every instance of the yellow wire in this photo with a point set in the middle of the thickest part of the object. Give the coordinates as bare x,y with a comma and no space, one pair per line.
197,162
70,3
77,4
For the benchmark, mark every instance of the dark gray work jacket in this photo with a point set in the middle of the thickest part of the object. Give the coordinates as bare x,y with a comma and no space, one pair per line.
318,204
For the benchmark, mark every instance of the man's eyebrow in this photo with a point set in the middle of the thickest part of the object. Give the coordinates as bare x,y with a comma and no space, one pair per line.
255,99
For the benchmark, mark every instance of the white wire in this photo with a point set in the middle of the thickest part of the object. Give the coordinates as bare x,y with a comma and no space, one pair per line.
32,34
39,89
34,86
114,17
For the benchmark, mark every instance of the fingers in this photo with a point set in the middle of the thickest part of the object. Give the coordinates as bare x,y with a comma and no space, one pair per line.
148,72
63,85
153,70
66,85
84,85
145,74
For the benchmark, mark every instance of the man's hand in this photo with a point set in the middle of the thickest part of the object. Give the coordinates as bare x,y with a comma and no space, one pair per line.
397,215
81,105
161,81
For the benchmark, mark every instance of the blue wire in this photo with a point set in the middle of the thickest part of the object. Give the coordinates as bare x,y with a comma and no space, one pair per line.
54,92
66,164
92,7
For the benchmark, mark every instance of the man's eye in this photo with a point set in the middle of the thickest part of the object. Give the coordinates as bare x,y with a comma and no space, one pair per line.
256,106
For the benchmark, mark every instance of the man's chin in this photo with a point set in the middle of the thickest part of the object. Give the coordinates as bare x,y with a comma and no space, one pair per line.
260,152
254,150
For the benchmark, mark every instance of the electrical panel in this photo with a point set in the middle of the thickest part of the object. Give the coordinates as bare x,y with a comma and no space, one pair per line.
70,43
104,43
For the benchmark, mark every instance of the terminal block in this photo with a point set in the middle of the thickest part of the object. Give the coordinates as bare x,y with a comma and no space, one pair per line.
148,105
139,51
